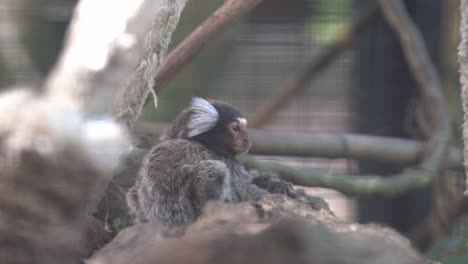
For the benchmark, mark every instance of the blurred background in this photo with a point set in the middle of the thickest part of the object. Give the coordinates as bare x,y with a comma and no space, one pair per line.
366,88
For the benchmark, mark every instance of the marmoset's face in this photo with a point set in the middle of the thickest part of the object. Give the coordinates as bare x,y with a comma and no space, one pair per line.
238,130
228,136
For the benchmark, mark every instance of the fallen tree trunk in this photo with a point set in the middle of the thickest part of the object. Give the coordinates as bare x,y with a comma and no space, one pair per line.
273,230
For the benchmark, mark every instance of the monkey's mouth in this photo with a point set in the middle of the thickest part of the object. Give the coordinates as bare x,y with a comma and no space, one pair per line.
241,148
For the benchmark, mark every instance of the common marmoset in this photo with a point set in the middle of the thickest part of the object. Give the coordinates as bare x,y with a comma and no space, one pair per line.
195,162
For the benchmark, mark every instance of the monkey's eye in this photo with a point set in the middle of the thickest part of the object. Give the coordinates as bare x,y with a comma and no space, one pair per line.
235,128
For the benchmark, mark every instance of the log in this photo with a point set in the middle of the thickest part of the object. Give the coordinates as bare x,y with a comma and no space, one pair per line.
273,230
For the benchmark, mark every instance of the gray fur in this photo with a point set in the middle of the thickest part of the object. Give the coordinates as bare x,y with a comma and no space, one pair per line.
179,175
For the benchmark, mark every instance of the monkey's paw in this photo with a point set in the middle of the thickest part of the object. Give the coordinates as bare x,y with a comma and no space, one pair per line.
275,185
284,187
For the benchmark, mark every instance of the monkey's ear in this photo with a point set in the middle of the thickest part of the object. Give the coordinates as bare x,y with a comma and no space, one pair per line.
203,118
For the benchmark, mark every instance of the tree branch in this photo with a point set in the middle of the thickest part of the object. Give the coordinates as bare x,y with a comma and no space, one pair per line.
298,82
334,146
347,184
431,89
359,147
217,23
425,234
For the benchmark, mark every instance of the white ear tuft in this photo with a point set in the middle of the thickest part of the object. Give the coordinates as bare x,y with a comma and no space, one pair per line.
204,117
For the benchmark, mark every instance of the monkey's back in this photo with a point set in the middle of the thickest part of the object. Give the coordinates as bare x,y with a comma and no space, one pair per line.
162,192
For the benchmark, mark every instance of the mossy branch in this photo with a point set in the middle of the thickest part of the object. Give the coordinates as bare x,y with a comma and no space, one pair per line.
408,180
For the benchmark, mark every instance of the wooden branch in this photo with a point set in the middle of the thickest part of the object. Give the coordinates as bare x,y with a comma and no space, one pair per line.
298,82
389,150
101,51
217,23
431,89
463,58
334,146
348,184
